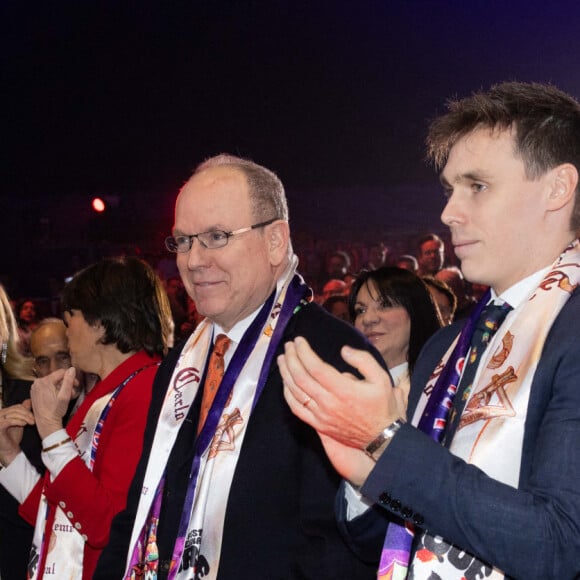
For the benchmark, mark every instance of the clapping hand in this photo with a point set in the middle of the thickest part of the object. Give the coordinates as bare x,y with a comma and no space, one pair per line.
346,411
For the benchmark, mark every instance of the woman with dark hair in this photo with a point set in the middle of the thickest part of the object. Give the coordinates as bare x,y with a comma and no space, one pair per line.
119,327
392,307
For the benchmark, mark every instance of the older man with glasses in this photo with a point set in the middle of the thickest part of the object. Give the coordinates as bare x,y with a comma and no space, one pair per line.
49,347
230,483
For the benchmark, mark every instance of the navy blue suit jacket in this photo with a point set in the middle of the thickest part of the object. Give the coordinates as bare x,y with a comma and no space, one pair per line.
532,532
280,521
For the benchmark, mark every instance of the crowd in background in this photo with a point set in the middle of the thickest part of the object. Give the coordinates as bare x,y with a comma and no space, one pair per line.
396,300
492,401
329,268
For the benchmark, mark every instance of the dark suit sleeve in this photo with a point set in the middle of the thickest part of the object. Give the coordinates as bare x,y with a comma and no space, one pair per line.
532,532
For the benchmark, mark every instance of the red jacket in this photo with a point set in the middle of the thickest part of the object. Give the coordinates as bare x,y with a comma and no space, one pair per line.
92,499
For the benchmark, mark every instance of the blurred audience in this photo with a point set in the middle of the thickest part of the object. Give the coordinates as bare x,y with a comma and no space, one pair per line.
337,306
193,319
453,277
443,297
27,321
377,256
178,303
431,255
408,262
337,265
333,287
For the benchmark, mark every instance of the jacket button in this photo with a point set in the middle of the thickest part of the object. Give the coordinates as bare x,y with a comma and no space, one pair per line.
395,505
385,498
406,512
418,519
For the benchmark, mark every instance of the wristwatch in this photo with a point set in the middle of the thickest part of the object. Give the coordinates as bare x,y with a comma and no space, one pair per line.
378,445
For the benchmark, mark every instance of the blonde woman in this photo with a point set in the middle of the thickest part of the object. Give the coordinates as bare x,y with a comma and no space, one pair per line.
14,366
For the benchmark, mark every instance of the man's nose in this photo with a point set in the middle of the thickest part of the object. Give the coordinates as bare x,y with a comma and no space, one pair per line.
56,364
197,255
452,212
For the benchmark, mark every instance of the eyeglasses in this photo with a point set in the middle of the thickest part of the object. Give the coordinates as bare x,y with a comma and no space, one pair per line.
210,240
43,363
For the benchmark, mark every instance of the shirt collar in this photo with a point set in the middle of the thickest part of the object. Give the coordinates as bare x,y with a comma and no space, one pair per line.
398,371
520,291
237,331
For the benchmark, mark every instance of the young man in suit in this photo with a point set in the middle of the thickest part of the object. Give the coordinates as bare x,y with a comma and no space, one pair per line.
237,487
482,480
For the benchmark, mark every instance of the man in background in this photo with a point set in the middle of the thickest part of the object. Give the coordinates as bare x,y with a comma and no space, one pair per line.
49,348
431,255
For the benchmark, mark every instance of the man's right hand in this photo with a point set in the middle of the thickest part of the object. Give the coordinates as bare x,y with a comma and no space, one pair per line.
12,422
347,412
337,404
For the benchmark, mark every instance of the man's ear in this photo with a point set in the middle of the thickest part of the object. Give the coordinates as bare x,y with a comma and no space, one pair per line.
563,183
278,239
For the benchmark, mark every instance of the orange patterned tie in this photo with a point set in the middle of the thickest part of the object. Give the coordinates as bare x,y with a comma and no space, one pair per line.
215,373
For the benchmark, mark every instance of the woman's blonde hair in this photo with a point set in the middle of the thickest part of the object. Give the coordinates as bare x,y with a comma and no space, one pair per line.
13,363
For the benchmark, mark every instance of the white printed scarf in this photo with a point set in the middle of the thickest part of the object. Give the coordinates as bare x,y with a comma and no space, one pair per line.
61,554
495,414
201,546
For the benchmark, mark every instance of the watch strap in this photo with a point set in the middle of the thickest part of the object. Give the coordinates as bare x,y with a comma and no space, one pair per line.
378,445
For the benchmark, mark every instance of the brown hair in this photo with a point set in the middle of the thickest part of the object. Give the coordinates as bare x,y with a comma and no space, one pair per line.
544,119
127,298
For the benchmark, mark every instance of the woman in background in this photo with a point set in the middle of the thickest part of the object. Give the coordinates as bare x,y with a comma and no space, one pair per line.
119,327
16,369
393,308
16,376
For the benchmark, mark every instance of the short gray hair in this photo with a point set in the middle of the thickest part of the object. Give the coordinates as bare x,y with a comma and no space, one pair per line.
266,190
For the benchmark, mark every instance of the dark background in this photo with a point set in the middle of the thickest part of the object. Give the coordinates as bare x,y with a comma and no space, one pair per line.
122,99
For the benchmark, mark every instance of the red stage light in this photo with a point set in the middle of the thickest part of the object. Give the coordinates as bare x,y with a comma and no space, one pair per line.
99,205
